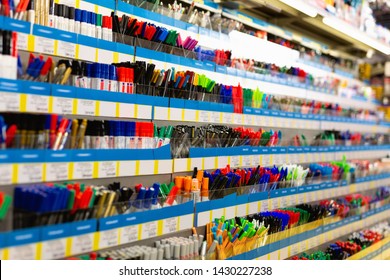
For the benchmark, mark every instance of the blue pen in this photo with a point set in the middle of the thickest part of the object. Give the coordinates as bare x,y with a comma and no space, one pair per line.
137,204
3,133
155,204
148,198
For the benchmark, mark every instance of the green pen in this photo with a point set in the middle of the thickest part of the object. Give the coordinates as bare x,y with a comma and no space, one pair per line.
171,185
161,136
230,236
72,194
92,201
5,206
245,234
168,135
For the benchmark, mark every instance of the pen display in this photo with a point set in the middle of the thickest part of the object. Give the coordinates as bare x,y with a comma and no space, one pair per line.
356,242
226,238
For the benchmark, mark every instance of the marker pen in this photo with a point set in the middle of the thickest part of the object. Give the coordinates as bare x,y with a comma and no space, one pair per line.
31,12
187,189
105,138
129,80
65,136
171,198
71,21
168,135
92,24
155,204
99,31
119,135
96,81
205,189
113,79
60,132
122,79
65,20
60,17
83,23
105,75
77,21
51,15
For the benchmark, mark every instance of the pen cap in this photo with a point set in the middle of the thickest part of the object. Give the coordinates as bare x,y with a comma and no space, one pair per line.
77,14
113,73
84,16
99,19
179,181
187,184
205,184
71,12
130,75
105,71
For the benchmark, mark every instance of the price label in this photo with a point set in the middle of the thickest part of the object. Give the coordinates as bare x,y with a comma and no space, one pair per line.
301,198
256,160
86,107
264,206
227,118
82,244
266,160
44,45
22,42
295,249
129,234
54,249
57,171
285,201
278,159
294,158
10,102
248,119
5,174
310,196
107,169
204,116
216,117
275,203
149,230
108,238
25,252
247,160
235,161
66,49
37,103
62,105
313,242
170,225
83,170
237,118
29,173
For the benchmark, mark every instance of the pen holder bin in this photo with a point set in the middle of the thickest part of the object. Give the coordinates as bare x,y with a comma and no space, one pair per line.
251,244
212,256
239,248
123,39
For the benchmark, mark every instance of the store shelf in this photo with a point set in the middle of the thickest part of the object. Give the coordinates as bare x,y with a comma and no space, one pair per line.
286,248
214,158
33,166
373,251
243,205
33,97
86,236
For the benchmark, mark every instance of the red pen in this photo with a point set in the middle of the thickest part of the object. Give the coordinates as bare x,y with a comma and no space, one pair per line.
61,130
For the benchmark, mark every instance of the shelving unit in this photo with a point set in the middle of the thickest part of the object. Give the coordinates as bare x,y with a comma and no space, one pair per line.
37,166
